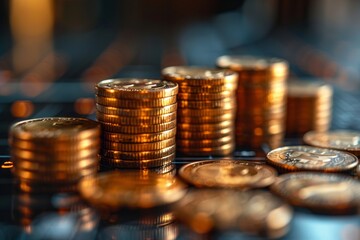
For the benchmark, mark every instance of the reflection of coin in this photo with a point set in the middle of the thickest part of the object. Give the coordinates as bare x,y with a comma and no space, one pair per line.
228,174
310,158
114,190
337,139
332,193
253,212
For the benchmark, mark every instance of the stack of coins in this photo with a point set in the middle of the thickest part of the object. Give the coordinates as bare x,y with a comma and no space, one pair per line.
52,154
308,107
206,110
138,119
261,100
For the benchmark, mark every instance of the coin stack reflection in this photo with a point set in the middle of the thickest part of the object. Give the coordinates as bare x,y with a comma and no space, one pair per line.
261,100
206,110
308,107
138,119
52,154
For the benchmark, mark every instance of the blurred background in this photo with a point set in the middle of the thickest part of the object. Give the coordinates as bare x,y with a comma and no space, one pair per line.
53,51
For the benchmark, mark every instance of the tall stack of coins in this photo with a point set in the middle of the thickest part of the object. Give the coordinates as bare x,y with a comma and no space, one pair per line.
206,110
138,119
308,107
261,100
52,154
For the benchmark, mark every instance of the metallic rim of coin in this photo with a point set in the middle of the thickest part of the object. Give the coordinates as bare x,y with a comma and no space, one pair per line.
138,147
131,103
207,88
337,139
319,191
153,128
205,119
205,135
143,155
219,210
132,88
307,88
228,174
138,138
222,150
273,66
131,112
295,158
204,127
204,112
146,163
195,76
121,120
206,96
115,190
204,143
55,129
222,103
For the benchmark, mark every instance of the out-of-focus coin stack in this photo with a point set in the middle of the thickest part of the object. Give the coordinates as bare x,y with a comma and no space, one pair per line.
206,110
53,154
309,106
261,100
138,119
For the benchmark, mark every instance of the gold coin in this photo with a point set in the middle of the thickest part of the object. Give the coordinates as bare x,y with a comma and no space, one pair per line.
205,134
222,103
133,88
198,76
206,96
228,174
260,130
205,119
204,143
143,155
55,129
136,147
115,190
204,127
207,88
204,112
137,103
299,158
138,138
131,112
223,150
144,163
306,88
320,192
139,120
149,128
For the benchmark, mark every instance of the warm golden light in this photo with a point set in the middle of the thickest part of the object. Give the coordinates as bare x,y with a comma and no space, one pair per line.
84,106
22,109
7,164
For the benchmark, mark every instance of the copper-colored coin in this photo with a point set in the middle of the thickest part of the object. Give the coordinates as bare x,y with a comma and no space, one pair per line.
133,88
228,174
205,119
134,112
138,103
205,112
296,158
55,129
206,96
205,134
259,130
144,163
149,128
207,88
221,103
115,190
204,127
139,120
330,193
138,147
138,138
223,150
305,88
143,155
204,143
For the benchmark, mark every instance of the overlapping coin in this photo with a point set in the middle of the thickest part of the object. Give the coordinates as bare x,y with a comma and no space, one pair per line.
206,110
261,100
138,119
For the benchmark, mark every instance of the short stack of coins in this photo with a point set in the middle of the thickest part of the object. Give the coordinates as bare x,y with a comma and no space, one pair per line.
206,110
138,119
53,154
261,100
309,105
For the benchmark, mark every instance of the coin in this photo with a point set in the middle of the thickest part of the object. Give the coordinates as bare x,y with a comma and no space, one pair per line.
223,150
146,128
131,103
205,95
228,174
204,127
143,163
296,158
131,112
139,120
204,143
205,134
207,88
320,192
345,140
210,112
115,190
250,212
138,147
205,119
138,138
133,88
226,103
50,166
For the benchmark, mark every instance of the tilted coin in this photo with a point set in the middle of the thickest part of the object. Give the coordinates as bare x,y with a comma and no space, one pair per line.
133,88
323,192
139,120
138,138
145,128
115,190
228,174
252,212
143,163
134,112
141,155
55,129
295,158
204,143
138,147
138,103
345,140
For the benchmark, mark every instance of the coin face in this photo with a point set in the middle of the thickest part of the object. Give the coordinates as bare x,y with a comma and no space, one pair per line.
228,174
311,158
332,193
